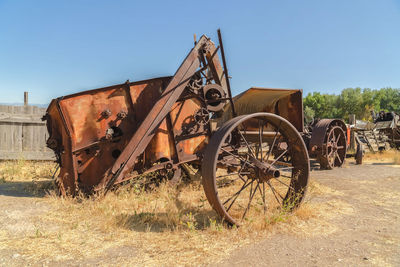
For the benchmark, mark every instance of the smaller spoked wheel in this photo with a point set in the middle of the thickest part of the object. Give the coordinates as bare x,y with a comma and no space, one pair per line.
253,165
334,150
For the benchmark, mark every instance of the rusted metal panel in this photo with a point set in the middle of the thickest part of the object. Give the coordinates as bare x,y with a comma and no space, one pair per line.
96,126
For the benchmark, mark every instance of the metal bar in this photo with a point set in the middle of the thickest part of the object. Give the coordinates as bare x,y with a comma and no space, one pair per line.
80,149
172,136
226,73
268,134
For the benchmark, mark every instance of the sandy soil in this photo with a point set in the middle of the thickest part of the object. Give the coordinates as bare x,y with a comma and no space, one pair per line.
363,227
367,228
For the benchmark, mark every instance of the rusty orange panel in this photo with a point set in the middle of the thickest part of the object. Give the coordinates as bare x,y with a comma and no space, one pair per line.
81,122
161,146
84,113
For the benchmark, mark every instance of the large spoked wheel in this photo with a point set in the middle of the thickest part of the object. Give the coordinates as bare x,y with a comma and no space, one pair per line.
254,164
334,150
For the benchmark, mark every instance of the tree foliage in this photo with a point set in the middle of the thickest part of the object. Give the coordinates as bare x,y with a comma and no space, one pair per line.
352,101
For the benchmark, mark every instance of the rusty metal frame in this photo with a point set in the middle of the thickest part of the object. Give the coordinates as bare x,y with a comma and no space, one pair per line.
116,133
145,132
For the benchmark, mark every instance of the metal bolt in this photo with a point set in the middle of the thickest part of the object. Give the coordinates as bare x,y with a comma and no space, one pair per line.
106,113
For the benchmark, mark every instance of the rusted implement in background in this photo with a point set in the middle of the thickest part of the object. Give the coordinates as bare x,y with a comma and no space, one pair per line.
106,136
388,123
381,134
371,138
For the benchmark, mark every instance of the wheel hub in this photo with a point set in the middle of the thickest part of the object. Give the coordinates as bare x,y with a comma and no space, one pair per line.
334,146
263,171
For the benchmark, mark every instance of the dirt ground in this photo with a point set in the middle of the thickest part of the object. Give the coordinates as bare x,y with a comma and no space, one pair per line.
362,225
367,228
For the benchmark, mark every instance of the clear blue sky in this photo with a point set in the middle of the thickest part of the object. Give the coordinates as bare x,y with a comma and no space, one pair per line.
53,48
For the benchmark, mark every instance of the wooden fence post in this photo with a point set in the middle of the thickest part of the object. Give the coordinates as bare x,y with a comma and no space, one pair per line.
25,98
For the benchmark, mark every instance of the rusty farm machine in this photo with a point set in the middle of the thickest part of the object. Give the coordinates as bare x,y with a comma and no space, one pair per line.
250,150
381,134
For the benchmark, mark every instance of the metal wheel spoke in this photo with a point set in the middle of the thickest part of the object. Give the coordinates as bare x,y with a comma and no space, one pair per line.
240,171
231,174
288,164
234,180
238,157
338,157
263,197
260,132
286,168
273,192
251,198
276,191
333,137
262,193
237,194
337,140
281,155
241,177
247,144
288,186
273,142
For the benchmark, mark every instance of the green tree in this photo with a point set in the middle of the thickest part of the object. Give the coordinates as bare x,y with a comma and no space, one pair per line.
388,99
309,114
323,105
352,101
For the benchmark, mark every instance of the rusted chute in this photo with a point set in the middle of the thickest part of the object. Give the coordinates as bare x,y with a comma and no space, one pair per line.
287,103
326,139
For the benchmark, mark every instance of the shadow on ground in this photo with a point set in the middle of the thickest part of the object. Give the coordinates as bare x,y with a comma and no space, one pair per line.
184,216
192,219
383,163
26,189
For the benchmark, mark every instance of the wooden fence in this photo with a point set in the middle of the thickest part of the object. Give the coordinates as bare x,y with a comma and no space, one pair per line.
23,134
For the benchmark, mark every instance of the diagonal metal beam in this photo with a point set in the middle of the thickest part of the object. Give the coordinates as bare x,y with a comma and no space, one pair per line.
146,131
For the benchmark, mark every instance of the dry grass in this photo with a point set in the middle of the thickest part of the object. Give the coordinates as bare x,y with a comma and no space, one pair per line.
168,226
34,176
316,189
390,156
22,171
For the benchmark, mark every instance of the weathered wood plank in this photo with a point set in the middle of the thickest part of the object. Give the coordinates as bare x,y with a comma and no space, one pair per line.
23,134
